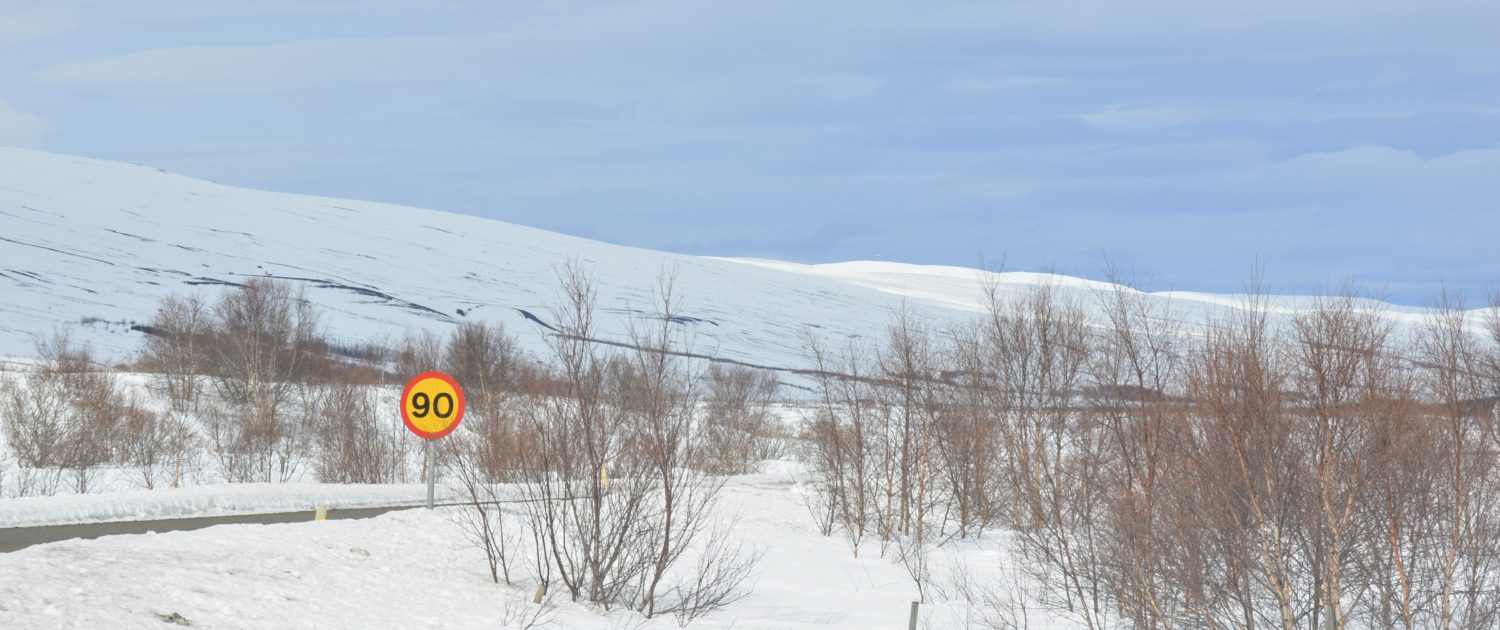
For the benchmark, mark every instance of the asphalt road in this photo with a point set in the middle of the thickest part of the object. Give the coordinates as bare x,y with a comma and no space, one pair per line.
13,538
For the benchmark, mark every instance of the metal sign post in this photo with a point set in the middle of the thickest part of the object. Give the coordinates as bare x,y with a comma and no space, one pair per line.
431,470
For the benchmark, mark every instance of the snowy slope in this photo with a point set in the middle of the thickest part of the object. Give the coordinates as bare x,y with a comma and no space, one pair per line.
103,241
83,238
961,289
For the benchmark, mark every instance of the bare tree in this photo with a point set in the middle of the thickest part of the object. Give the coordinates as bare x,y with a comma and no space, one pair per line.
1345,376
1239,383
1038,354
519,613
1134,370
585,521
266,345
1468,545
1404,514
176,348
613,497
907,404
843,442
661,399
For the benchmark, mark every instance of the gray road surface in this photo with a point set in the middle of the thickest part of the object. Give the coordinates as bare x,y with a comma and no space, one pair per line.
13,538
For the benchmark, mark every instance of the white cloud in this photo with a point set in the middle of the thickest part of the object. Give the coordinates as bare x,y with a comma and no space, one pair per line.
1193,29
272,67
26,20
1121,118
20,129
1154,118
979,83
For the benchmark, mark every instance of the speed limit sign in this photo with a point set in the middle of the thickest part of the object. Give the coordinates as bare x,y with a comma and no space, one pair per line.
432,405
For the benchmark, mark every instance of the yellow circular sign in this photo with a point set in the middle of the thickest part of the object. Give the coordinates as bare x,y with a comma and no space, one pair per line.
432,405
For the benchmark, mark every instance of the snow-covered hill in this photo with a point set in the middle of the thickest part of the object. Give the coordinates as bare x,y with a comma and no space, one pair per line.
99,242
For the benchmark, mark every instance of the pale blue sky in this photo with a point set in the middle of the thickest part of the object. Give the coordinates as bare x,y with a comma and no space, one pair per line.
1185,139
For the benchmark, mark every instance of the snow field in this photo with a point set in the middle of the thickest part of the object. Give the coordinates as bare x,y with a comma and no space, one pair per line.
414,569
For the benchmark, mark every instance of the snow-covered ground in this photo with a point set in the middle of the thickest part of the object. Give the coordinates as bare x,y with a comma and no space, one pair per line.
413,569
100,242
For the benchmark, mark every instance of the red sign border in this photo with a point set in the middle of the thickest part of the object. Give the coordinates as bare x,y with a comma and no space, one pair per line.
458,411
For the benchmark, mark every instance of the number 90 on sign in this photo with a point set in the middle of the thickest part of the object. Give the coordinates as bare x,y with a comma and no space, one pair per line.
432,405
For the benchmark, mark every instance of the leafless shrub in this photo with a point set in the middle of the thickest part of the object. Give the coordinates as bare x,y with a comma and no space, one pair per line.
352,445
35,406
743,429
64,413
226,432
993,605
576,513
265,335
4,464
720,578
486,525
915,558
485,360
37,482
817,496
519,612
249,447
475,461
159,444
1238,383
489,449
659,395
491,369
418,352
875,441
